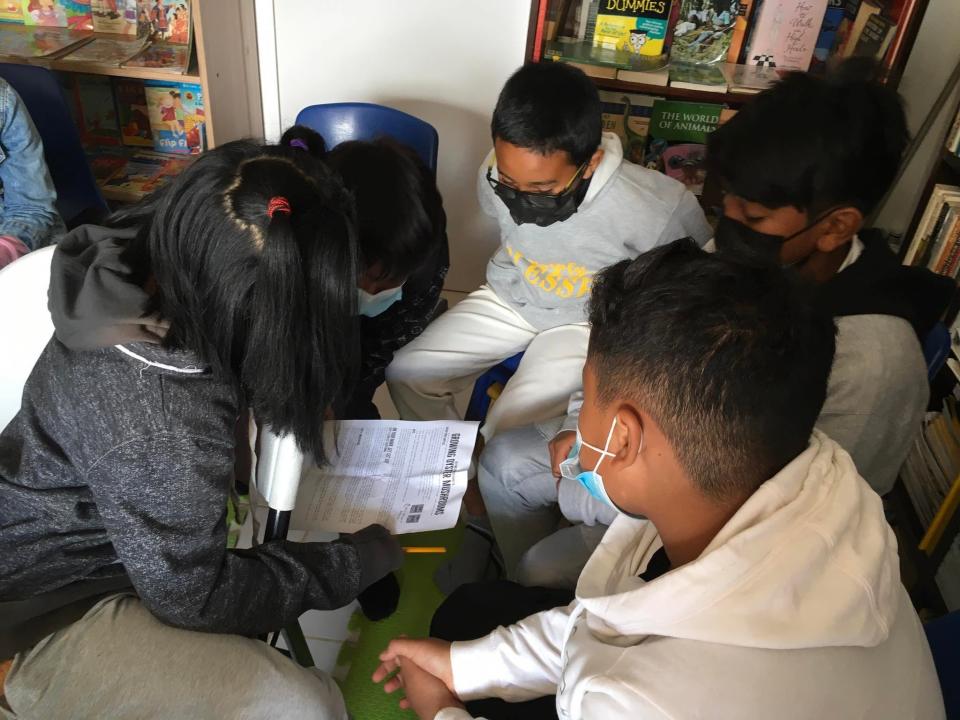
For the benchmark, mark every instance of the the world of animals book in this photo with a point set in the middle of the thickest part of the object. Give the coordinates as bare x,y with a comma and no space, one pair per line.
677,140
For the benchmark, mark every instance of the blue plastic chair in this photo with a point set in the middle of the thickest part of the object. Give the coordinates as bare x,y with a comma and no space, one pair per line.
943,634
936,349
488,387
78,197
339,122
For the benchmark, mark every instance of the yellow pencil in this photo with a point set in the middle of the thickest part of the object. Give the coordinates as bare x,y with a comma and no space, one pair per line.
424,550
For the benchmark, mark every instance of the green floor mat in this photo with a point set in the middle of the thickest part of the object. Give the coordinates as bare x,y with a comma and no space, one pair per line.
419,598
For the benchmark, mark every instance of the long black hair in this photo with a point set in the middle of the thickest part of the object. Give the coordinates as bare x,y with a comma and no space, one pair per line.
251,256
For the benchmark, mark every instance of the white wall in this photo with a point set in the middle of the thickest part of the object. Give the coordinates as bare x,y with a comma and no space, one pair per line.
441,60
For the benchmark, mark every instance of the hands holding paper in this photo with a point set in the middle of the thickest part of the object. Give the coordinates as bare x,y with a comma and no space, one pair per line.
423,669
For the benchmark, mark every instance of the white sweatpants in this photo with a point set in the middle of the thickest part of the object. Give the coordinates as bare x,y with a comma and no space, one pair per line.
470,338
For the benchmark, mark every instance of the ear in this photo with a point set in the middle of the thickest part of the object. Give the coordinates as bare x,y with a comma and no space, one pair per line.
839,227
594,161
627,437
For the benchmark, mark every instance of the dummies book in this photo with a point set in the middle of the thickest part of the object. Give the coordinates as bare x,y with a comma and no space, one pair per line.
704,31
177,117
639,27
132,112
785,33
677,140
628,116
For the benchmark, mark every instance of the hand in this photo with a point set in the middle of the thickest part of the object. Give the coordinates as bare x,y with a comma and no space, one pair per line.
560,448
429,654
425,694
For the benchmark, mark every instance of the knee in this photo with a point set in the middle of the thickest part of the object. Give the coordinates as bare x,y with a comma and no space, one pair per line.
494,462
400,368
539,567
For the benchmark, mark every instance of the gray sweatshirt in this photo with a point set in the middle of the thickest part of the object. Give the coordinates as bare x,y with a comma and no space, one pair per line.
545,273
116,471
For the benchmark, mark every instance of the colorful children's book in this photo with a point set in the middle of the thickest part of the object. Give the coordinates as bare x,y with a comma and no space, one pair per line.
132,112
24,43
741,23
105,164
786,33
828,35
677,140
707,78
105,51
169,20
177,118
117,17
167,56
141,174
96,112
639,27
48,13
704,31
628,116
11,11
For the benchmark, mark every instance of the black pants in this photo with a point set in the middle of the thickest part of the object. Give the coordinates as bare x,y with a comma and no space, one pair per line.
473,611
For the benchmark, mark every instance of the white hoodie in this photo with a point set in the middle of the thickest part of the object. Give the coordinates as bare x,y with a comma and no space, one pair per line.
795,610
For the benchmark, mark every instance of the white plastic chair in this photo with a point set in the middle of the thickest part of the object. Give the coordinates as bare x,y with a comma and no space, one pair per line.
25,325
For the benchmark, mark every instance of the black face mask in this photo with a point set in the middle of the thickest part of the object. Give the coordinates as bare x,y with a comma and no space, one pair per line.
751,246
539,208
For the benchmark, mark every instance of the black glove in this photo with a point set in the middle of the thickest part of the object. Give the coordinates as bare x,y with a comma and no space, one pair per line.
379,553
380,600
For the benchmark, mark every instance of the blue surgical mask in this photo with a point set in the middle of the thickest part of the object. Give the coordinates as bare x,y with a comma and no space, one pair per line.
592,480
373,305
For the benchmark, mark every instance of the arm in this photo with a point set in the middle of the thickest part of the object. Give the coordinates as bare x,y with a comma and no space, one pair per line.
29,213
163,502
687,220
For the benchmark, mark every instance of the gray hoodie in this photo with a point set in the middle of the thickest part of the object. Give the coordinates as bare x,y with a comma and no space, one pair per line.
545,273
116,471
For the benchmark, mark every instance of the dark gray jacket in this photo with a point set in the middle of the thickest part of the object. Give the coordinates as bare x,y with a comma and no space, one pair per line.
116,472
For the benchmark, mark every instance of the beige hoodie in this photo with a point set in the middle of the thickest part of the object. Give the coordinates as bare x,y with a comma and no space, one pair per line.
795,610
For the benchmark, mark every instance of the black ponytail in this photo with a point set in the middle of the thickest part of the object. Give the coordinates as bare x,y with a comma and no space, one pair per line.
302,138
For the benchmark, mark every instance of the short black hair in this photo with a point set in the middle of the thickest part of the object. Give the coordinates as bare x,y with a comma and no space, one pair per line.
546,107
731,360
400,218
814,143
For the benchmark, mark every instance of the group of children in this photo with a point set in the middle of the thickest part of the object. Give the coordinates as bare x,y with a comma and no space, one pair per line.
717,412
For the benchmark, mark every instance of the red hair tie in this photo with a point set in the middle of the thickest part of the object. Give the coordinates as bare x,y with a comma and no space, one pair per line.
278,203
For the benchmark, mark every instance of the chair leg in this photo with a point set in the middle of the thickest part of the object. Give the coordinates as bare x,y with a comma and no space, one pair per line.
278,523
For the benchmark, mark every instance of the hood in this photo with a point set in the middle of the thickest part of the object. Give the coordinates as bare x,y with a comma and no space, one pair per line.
808,561
91,299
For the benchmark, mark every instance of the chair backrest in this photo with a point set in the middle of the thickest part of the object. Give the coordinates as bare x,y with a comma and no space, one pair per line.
25,325
338,122
77,192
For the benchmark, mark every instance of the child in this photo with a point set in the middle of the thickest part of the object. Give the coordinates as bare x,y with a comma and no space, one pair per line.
803,164
233,286
764,581
566,204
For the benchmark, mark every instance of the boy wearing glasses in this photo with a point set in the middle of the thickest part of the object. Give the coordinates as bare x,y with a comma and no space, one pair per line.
567,205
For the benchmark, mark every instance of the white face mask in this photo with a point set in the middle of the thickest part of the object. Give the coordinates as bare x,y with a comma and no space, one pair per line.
373,305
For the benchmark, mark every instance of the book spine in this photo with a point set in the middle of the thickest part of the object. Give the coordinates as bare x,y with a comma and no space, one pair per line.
538,35
740,30
950,266
924,259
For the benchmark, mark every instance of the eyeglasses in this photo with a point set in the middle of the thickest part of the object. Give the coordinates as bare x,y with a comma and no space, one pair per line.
543,200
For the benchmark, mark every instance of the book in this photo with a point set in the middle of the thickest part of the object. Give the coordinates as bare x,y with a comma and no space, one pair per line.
169,20
749,79
141,174
850,10
116,17
638,27
785,33
677,139
167,56
95,111
741,23
704,31
628,116
828,35
948,265
177,118
105,51
902,13
105,165
866,9
646,77
11,11
48,13
875,38
918,252
20,42
132,113
707,78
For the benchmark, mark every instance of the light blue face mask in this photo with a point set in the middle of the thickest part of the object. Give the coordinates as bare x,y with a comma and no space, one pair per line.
373,305
592,480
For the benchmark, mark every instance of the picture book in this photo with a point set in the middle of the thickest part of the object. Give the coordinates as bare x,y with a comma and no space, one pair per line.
95,111
635,26
177,119
741,23
167,20
828,35
23,43
104,165
117,17
141,174
48,13
628,116
708,78
786,33
132,113
11,11
704,31
167,56
677,140
105,51
875,37
749,79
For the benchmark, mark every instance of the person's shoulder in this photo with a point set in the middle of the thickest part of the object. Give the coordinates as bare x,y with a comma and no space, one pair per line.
647,189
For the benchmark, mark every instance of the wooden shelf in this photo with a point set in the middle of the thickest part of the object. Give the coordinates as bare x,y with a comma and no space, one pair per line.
673,93
134,72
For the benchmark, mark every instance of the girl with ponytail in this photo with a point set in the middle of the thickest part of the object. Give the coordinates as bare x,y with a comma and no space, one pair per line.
234,286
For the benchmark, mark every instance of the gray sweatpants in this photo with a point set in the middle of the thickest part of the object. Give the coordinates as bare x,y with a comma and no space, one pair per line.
119,661
525,505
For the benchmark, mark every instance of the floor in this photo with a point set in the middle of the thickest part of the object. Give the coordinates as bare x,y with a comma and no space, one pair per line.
325,631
